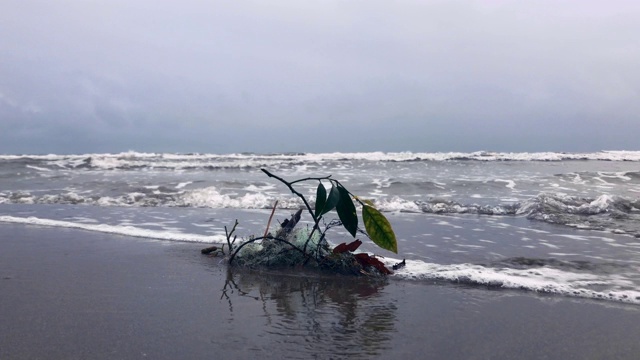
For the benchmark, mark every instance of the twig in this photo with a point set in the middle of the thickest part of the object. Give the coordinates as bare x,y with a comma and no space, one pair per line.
289,185
228,235
266,231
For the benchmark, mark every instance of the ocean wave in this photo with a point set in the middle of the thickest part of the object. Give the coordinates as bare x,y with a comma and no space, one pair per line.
605,212
209,197
542,204
136,160
546,279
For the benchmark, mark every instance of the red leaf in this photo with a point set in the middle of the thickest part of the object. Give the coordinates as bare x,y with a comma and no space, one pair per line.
352,246
340,248
366,260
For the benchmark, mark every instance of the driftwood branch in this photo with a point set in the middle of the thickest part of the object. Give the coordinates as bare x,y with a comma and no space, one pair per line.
288,224
209,250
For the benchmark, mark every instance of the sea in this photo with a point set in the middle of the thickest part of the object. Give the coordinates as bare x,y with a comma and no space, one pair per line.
563,224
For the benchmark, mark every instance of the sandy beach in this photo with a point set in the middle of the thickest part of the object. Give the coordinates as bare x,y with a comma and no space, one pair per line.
73,294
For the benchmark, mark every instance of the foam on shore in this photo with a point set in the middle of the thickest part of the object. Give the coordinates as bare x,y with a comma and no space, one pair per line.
544,279
115,229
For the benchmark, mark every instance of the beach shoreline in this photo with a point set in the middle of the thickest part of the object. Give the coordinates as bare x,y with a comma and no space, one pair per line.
72,294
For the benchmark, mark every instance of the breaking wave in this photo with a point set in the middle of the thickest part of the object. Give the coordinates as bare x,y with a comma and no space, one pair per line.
537,275
605,212
135,160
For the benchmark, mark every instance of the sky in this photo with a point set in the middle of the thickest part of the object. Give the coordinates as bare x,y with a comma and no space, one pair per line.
96,76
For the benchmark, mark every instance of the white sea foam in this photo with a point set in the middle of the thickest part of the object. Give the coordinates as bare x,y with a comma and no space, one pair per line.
573,237
131,158
211,197
116,229
510,183
446,223
548,245
183,184
38,168
602,203
397,204
543,279
614,175
264,188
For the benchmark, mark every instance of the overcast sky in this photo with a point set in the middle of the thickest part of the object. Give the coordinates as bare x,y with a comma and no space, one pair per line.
83,76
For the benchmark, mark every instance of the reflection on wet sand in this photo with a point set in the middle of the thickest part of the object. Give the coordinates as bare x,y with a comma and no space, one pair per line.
312,315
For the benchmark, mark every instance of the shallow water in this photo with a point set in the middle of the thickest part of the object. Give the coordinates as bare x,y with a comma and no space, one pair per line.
301,317
542,222
75,294
505,252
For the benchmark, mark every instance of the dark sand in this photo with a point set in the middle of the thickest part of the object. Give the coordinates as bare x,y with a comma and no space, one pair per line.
69,294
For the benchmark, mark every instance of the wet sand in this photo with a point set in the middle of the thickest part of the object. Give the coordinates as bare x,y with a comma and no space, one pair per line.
72,294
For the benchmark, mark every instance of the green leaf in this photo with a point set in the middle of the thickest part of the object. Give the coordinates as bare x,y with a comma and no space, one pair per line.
347,211
368,202
332,201
321,199
379,228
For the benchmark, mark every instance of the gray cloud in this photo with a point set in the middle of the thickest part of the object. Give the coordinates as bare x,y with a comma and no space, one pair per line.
226,76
